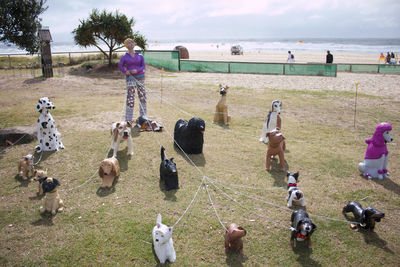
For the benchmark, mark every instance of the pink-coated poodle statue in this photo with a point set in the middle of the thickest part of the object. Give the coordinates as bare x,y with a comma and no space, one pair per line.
376,157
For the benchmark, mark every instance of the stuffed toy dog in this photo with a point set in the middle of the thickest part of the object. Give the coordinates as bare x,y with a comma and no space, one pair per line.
221,110
49,137
276,146
121,131
168,172
376,156
233,238
295,194
273,120
366,217
108,171
25,164
146,124
162,242
189,136
40,176
303,227
52,201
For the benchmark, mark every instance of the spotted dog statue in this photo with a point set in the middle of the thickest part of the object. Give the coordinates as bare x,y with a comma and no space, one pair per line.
49,137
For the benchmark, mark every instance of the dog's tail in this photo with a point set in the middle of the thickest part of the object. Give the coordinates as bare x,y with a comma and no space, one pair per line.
162,153
158,221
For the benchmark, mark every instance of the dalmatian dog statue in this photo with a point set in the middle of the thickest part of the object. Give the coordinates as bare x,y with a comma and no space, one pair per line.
49,137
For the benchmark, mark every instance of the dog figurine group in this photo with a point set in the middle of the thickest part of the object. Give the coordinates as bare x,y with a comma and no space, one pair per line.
25,166
221,109
49,137
376,156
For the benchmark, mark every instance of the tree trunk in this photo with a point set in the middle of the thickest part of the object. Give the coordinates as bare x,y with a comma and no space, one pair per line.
110,57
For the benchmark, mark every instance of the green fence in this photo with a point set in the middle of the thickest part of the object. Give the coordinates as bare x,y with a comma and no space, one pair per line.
168,60
369,68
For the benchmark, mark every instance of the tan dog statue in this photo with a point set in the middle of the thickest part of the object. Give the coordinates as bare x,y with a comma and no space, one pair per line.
108,171
221,109
276,146
25,164
52,201
40,176
233,238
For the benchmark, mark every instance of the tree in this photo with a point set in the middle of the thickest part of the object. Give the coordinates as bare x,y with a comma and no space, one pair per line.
19,23
107,28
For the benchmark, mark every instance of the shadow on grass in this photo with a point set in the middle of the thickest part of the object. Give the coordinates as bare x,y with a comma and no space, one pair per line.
40,158
46,220
197,159
235,258
103,70
35,80
23,183
372,238
278,175
169,195
37,197
123,158
105,191
387,184
304,253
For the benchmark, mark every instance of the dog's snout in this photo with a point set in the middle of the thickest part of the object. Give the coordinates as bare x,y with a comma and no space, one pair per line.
156,240
125,133
308,228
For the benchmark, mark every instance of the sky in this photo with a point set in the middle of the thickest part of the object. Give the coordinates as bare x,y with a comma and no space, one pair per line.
241,19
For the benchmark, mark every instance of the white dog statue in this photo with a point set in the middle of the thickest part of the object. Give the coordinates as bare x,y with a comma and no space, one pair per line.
119,131
49,137
273,120
376,156
162,241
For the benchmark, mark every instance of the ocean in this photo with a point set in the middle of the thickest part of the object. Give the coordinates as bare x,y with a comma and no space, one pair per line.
347,45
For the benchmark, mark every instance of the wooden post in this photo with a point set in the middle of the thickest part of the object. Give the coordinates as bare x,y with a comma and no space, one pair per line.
9,61
355,105
162,72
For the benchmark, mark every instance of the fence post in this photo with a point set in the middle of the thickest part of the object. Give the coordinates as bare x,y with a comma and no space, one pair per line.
69,56
9,61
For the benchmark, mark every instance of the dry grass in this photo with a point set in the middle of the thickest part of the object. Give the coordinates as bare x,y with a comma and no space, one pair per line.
114,227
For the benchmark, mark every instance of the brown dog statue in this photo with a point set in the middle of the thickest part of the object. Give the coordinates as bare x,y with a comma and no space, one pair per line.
52,201
276,146
40,176
233,238
108,171
221,109
25,164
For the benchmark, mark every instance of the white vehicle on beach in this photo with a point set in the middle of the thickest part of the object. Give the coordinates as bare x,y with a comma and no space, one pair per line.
236,50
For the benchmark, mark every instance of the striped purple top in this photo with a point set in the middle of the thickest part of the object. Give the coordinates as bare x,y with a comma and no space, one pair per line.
128,62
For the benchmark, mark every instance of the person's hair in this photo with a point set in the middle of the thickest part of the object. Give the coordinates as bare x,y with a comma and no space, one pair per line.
127,40
288,51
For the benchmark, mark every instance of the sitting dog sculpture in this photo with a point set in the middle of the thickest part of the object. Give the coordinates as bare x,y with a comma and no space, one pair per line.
376,156
365,217
119,131
168,172
25,166
302,226
40,176
52,201
233,238
221,110
276,146
162,242
108,171
189,136
49,137
295,194
273,120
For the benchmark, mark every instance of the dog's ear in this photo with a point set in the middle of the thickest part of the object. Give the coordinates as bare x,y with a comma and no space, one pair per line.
129,124
158,225
296,175
287,174
101,172
170,229
314,227
56,182
268,134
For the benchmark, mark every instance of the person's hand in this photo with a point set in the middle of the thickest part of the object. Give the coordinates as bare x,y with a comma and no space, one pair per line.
127,73
134,71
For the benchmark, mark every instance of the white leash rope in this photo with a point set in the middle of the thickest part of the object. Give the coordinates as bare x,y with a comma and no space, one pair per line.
212,205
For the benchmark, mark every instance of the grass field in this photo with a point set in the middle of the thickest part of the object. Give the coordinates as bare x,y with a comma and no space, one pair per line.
113,227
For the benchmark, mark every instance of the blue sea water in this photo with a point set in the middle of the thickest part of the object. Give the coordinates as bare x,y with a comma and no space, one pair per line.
347,45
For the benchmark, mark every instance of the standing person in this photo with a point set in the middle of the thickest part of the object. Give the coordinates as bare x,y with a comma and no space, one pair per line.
329,57
290,57
133,66
388,58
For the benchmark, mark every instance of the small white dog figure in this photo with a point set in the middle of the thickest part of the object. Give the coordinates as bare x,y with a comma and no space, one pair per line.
119,131
162,241
49,137
295,194
273,120
52,201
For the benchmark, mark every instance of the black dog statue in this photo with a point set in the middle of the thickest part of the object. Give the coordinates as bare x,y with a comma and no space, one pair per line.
168,172
303,227
365,217
189,136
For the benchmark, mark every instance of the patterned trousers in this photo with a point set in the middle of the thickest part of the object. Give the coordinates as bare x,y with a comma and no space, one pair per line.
135,82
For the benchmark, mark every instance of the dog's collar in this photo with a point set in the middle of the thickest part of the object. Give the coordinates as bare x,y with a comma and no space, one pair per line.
292,185
299,235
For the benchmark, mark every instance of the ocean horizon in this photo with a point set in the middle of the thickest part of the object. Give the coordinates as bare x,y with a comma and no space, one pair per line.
345,45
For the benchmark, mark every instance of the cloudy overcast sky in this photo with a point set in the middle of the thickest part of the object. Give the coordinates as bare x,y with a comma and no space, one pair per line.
211,19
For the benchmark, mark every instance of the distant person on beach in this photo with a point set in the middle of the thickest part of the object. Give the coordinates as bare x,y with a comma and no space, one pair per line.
329,57
388,58
290,57
133,66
